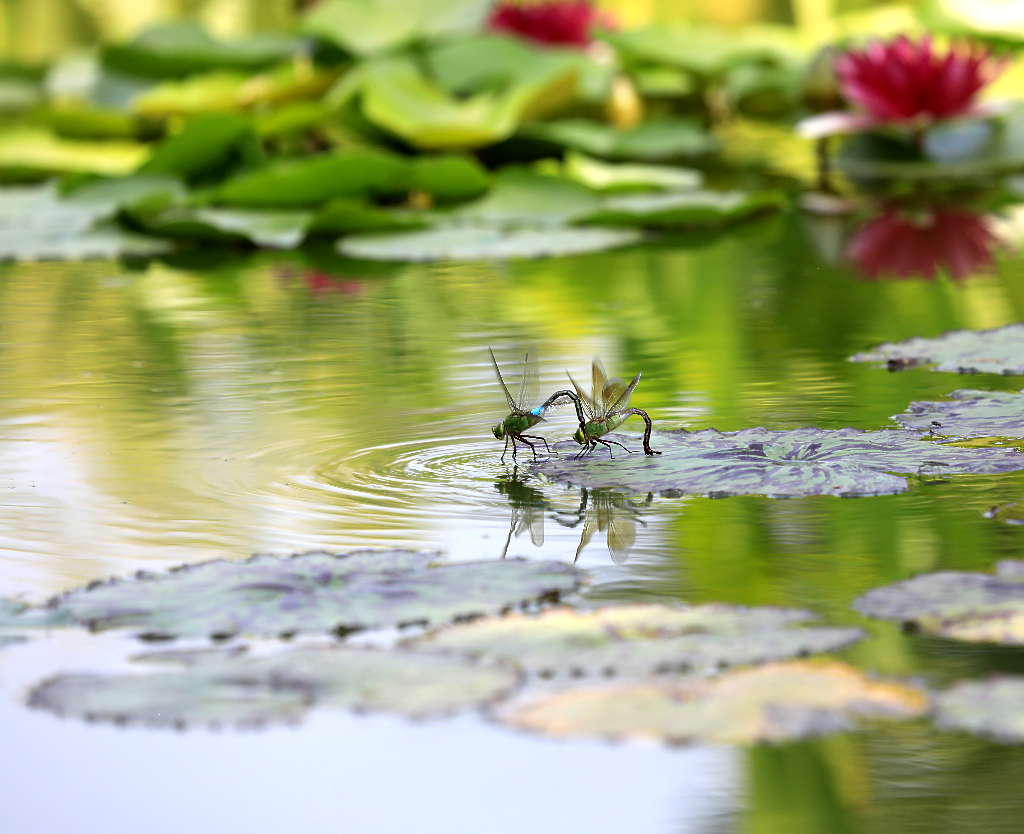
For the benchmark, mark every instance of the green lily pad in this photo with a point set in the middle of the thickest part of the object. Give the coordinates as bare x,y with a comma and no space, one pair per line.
1012,513
271,595
612,176
243,690
448,178
778,464
996,351
366,27
771,703
36,224
656,140
638,639
521,197
213,92
682,208
263,227
208,146
37,152
174,50
481,243
960,605
993,708
484,62
344,216
137,192
315,179
968,414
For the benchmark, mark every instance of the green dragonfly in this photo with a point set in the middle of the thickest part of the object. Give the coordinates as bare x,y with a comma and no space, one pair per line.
605,409
521,417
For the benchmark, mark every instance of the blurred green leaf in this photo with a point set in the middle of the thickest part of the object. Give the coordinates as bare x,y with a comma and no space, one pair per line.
344,216
448,178
611,176
208,93
660,139
18,95
521,197
37,152
79,120
208,145
682,208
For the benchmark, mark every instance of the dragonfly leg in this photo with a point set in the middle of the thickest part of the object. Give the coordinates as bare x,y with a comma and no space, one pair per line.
541,439
616,442
505,450
521,439
609,445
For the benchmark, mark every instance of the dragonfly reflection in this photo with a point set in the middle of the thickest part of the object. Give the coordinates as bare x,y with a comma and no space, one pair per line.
608,512
528,508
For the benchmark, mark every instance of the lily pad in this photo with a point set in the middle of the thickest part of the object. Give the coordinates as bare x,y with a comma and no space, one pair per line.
35,224
968,414
1012,513
960,605
656,140
208,146
527,198
242,690
318,591
682,208
772,703
638,639
626,176
992,708
35,152
481,243
996,351
343,216
798,462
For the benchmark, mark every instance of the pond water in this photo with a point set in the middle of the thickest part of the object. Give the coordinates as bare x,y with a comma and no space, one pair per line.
171,412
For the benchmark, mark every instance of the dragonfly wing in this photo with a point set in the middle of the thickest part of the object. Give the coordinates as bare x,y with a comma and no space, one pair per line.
528,385
504,387
588,403
598,380
537,526
623,393
621,536
586,535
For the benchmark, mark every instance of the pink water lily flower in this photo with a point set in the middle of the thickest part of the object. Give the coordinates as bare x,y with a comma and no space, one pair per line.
907,83
902,243
550,22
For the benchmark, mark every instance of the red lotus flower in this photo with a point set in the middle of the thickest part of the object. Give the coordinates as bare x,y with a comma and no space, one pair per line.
904,244
903,82
553,23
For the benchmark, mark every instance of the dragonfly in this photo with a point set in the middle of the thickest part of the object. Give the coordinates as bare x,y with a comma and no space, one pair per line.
605,409
521,417
528,508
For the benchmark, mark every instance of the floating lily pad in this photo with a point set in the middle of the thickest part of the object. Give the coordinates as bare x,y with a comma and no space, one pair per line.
344,216
682,208
271,595
36,153
525,198
1008,513
208,93
16,618
638,639
968,414
771,703
35,224
219,690
997,351
208,146
626,176
652,141
992,708
960,605
481,243
799,462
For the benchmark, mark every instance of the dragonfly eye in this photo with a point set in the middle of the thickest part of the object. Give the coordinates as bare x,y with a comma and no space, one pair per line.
579,437
499,431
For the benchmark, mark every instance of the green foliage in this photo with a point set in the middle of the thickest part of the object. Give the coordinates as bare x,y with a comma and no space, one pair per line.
675,209
658,140
206,147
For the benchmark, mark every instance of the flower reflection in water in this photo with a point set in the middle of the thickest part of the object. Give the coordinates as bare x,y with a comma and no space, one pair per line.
904,242
555,23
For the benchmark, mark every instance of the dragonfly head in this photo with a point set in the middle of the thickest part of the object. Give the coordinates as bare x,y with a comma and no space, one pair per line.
579,436
499,430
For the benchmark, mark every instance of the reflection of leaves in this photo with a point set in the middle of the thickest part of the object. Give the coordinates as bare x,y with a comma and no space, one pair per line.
968,414
776,702
244,690
992,708
975,607
996,351
269,595
639,639
779,463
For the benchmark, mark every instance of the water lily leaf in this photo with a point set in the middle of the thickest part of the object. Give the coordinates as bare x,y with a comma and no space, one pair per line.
960,605
449,178
208,145
968,414
209,93
35,224
243,690
798,462
39,153
17,617
315,179
344,216
656,140
525,197
365,27
682,208
138,192
1008,513
397,97
638,639
993,708
175,50
484,62
771,703
270,595
272,229
611,176
997,351
481,243
18,95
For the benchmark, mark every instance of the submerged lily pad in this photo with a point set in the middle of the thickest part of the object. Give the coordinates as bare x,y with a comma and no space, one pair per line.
997,351
280,687
481,243
960,605
271,595
771,703
638,639
798,462
992,708
968,414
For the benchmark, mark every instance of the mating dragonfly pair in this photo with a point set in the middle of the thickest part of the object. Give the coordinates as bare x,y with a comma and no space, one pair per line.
600,412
